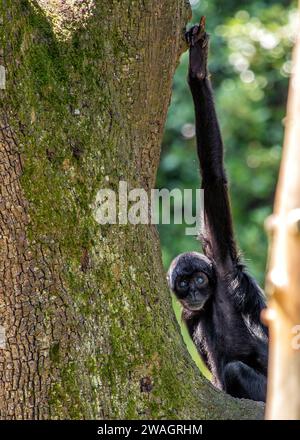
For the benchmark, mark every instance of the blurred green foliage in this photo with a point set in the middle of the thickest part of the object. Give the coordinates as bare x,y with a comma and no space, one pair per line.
250,52
250,64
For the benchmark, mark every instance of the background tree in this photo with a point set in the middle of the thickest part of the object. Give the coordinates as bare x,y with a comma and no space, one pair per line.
283,280
89,326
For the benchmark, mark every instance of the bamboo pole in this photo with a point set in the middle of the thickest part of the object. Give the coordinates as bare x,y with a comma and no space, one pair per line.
283,277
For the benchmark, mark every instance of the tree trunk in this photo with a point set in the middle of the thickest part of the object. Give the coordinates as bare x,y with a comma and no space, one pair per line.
283,280
90,331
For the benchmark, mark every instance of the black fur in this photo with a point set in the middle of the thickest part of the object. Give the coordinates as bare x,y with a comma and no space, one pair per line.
221,302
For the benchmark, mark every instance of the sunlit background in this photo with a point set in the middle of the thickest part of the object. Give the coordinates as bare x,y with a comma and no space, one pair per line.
250,64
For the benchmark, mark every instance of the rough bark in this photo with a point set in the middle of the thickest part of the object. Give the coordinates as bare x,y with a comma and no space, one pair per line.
88,318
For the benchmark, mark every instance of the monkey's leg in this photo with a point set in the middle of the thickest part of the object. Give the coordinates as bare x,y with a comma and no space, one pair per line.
244,382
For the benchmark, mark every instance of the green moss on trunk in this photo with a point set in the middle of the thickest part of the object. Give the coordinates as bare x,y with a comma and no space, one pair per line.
91,331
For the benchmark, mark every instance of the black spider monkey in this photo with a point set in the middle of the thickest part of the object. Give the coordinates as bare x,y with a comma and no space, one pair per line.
221,302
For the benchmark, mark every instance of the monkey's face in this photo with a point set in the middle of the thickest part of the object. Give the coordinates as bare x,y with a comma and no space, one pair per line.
191,277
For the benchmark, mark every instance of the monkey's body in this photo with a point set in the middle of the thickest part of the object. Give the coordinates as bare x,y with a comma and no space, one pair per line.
230,343
221,302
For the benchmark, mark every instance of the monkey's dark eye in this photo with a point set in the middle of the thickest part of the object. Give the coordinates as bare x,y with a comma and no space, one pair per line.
183,284
200,280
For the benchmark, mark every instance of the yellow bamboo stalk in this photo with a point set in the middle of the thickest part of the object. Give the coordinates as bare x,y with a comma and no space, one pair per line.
283,278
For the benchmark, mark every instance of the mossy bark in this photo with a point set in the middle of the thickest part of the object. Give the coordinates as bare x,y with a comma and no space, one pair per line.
90,331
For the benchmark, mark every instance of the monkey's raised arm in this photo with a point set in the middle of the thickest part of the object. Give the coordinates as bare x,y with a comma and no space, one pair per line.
218,237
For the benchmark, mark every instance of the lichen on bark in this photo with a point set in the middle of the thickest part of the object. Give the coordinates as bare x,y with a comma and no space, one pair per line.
89,323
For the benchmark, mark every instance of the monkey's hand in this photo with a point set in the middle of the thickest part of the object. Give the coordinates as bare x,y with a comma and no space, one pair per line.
198,40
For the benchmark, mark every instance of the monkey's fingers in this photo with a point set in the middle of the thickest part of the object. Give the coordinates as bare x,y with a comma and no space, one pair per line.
196,33
202,24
